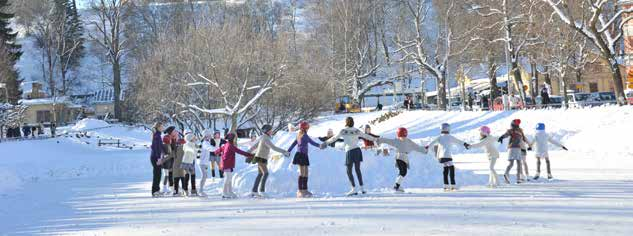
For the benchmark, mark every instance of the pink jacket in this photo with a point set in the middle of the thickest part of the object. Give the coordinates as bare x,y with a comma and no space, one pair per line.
228,151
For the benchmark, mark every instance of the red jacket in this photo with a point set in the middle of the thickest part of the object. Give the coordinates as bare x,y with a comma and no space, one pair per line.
228,151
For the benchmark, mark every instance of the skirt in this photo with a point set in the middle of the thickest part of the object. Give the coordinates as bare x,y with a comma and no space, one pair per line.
353,156
215,158
260,160
301,159
188,167
515,154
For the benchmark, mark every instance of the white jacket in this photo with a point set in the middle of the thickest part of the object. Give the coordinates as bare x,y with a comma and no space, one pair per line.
350,137
403,147
205,156
489,144
191,152
444,143
542,139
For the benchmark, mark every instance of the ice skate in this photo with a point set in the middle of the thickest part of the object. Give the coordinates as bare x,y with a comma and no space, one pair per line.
550,177
506,178
308,193
446,188
362,190
156,194
398,189
536,177
254,195
202,194
352,192
300,194
453,188
262,195
194,193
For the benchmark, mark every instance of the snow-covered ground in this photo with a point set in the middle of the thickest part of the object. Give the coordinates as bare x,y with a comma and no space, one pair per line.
70,186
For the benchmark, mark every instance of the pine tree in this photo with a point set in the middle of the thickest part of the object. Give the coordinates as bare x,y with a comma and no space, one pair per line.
75,33
12,50
69,39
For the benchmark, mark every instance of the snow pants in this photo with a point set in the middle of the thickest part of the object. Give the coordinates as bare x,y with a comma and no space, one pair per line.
205,173
228,183
262,176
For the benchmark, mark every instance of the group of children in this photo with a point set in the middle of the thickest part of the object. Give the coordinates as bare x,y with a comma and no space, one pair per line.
178,156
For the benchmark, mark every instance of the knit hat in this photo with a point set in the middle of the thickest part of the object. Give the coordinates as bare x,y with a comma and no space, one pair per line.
189,137
446,127
485,130
169,129
516,122
402,132
207,133
540,126
303,125
266,128
230,137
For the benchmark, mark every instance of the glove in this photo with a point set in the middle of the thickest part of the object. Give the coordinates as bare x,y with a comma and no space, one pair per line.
529,148
500,140
467,146
287,154
564,148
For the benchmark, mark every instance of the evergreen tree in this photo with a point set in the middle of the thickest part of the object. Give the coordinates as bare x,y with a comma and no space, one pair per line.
12,50
69,39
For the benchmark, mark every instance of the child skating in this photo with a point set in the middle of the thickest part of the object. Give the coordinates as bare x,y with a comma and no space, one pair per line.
301,158
262,150
488,143
444,155
353,153
515,133
227,163
542,140
216,142
205,159
403,146
188,164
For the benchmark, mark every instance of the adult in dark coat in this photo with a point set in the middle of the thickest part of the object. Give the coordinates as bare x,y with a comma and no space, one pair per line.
545,96
156,154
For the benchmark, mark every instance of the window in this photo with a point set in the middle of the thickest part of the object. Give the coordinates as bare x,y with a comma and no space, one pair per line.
593,87
43,116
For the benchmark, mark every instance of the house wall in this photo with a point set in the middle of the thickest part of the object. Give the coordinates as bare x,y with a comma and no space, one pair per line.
63,113
103,109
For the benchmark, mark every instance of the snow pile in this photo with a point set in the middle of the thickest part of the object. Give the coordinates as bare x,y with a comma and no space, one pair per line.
88,124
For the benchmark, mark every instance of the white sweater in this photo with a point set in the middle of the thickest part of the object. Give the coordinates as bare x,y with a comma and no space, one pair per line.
489,144
444,143
403,147
191,152
350,137
542,139
205,156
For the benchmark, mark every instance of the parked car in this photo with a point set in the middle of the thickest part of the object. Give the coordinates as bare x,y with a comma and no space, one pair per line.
554,101
601,98
578,99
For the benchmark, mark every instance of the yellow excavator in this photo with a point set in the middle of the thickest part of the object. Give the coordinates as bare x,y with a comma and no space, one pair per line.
345,104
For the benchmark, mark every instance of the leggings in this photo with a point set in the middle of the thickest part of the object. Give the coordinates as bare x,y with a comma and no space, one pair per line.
492,178
205,173
511,164
169,178
178,181
303,178
228,183
538,166
449,171
402,168
260,180
359,175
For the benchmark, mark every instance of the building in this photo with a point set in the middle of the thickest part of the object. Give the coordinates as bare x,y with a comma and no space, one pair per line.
102,103
628,43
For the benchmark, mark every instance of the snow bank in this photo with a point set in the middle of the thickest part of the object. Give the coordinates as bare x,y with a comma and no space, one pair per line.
595,132
89,123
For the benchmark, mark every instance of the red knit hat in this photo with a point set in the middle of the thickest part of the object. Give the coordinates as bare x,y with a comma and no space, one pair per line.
516,122
303,125
402,132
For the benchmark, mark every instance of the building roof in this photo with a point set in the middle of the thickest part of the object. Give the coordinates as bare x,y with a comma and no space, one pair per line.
104,96
45,101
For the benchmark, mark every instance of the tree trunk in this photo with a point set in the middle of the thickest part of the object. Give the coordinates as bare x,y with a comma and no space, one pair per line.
492,74
535,83
441,91
517,78
617,81
116,83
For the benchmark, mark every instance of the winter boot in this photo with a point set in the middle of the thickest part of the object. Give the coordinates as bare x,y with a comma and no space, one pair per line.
537,176
156,194
352,192
307,193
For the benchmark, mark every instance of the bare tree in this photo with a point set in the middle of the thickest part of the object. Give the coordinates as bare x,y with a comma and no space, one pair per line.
110,36
601,22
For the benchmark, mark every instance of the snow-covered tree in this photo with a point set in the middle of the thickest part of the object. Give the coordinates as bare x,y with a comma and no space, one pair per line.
601,22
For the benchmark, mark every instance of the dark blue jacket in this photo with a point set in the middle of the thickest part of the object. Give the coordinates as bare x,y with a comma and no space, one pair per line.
157,147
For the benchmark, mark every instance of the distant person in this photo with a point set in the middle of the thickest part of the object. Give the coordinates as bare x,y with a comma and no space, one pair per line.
379,107
33,131
368,143
545,96
157,152
53,129
541,142
26,130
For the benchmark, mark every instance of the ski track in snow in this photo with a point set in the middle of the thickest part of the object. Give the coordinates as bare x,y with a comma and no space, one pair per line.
69,186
